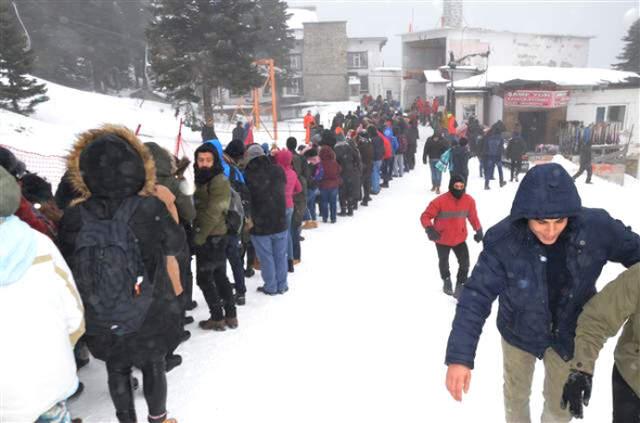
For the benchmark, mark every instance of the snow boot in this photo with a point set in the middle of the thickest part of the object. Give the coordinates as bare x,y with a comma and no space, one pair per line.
458,290
215,325
191,306
502,183
187,320
290,266
364,203
232,322
249,272
350,211
240,299
437,190
172,361
185,336
433,188
342,212
446,286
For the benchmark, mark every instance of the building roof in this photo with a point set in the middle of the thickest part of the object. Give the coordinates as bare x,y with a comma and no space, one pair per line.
299,16
467,28
380,40
435,77
571,77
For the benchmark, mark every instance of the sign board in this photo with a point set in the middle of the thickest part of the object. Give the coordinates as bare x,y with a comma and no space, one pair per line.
541,99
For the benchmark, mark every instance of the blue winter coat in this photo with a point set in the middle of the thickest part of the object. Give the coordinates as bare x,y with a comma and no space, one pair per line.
512,267
494,146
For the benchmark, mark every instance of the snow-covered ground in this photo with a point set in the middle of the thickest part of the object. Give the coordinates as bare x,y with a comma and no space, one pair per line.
362,333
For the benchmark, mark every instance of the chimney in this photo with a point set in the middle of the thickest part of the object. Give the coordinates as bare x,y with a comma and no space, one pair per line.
452,13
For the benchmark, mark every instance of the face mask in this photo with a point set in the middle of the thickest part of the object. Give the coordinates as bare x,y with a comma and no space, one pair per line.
457,193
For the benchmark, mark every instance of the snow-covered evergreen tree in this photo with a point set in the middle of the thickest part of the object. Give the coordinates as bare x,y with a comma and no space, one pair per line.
630,56
197,45
19,92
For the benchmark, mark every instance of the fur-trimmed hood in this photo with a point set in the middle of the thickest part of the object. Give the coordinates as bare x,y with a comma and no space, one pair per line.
110,161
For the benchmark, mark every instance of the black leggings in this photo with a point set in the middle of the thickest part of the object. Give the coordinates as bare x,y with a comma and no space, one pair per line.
154,384
462,254
626,404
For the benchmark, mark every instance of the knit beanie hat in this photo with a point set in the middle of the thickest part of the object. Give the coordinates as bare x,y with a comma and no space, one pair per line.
9,193
254,150
235,149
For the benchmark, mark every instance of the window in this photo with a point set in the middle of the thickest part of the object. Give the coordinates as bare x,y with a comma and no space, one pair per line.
357,60
364,84
615,113
600,114
294,87
389,95
295,62
468,110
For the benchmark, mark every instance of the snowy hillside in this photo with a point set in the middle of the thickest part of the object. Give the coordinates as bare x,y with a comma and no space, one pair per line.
361,335
42,139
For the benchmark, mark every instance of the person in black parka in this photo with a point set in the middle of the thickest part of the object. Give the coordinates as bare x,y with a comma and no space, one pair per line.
365,147
412,134
349,161
460,158
106,167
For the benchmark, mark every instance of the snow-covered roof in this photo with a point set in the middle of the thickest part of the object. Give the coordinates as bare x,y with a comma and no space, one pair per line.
299,16
434,77
354,80
573,77
427,32
387,69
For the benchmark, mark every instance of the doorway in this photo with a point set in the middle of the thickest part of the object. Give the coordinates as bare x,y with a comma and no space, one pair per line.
533,126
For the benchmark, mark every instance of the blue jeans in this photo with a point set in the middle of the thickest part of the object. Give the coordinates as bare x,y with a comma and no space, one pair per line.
289,216
328,199
436,175
490,163
272,253
310,214
375,176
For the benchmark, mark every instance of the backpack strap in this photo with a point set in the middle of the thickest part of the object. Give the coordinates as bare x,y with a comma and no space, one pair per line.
127,208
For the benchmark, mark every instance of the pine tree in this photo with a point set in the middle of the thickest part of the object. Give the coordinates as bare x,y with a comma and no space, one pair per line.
197,45
630,56
18,91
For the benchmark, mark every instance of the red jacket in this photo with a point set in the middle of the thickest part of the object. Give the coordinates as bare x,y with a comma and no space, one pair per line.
388,149
331,178
449,217
34,219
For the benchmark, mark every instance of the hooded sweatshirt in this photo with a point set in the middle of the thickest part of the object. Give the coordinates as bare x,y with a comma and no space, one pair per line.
292,187
40,307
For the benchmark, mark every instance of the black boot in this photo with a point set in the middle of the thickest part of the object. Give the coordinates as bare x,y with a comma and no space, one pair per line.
349,211
364,203
172,361
446,286
342,212
290,265
249,272
458,290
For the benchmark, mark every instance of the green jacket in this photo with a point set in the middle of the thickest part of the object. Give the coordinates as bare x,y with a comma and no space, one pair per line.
165,171
602,317
212,203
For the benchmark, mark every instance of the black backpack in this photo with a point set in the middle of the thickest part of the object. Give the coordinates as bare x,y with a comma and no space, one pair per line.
109,272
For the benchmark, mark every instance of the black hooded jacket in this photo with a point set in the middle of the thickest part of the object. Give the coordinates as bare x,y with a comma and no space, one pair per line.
266,183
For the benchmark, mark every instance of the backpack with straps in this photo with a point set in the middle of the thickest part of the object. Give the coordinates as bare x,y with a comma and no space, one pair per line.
109,272
235,215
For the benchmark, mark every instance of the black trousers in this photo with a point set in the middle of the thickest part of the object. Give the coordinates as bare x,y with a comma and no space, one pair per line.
154,386
626,404
211,276
233,253
584,167
366,183
516,165
462,254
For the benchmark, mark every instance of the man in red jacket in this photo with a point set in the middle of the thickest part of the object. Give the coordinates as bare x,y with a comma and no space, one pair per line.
445,221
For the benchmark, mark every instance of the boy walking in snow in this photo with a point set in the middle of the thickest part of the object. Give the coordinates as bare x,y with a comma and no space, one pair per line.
542,262
445,221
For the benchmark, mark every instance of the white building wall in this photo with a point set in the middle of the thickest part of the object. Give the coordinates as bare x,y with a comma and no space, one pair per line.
509,48
583,104
383,80
471,99
496,104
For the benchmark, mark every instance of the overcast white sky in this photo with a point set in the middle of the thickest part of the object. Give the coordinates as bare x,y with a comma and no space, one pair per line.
604,19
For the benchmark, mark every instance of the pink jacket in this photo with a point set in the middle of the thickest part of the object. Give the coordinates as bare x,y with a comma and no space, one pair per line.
293,187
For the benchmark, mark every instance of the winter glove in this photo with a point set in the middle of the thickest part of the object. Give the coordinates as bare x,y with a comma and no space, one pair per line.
432,233
576,391
478,236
